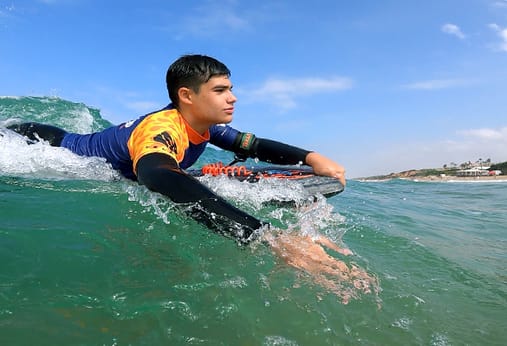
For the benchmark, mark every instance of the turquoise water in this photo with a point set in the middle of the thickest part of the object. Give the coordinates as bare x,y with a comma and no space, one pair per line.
89,258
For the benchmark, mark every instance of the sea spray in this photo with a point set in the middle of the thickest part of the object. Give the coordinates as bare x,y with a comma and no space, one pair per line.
40,160
71,116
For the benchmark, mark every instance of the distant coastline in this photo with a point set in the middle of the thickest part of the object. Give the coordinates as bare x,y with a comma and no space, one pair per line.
434,178
449,178
435,175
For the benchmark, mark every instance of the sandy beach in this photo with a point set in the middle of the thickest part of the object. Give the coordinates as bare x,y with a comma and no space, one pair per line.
443,178
450,178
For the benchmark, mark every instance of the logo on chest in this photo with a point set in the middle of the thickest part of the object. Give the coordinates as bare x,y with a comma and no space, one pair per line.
167,141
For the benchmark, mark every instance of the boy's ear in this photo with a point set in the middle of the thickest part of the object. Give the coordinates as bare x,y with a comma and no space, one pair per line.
184,94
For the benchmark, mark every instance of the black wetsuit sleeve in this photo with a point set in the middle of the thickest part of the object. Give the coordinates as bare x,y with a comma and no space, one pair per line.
269,151
161,173
35,131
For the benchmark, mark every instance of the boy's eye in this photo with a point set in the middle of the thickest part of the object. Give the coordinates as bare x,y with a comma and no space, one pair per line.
222,88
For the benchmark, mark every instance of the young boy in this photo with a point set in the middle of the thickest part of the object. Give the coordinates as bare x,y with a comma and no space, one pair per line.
156,148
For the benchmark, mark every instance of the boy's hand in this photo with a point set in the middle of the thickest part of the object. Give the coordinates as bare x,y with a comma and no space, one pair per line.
324,166
309,255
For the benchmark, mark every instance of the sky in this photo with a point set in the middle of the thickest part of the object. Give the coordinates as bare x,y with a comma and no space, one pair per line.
378,86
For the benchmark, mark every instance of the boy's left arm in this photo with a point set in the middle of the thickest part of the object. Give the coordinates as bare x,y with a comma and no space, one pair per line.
325,166
267,150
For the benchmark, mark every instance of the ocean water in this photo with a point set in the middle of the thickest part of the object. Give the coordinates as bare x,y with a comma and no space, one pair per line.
89,258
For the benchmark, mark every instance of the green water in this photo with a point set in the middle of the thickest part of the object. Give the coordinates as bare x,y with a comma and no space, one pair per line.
90,259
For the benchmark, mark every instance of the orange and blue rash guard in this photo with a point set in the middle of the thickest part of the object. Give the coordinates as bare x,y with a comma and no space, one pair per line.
164,131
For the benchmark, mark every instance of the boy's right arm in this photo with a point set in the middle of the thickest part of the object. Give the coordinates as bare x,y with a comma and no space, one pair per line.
161,173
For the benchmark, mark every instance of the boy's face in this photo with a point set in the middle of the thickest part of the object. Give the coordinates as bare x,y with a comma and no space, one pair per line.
214,103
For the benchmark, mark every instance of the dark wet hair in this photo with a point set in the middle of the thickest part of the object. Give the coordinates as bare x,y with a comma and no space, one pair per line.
191,71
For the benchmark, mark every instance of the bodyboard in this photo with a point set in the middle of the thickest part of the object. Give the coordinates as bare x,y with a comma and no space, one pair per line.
312,183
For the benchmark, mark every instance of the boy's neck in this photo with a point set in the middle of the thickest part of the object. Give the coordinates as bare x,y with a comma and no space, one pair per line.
198,126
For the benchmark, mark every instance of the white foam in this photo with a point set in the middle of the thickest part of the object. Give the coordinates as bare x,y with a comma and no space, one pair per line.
160,205
478,181
42,161
6,97
79,120
303,214
256,194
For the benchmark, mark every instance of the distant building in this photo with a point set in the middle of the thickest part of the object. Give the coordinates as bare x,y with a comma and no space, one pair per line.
472,172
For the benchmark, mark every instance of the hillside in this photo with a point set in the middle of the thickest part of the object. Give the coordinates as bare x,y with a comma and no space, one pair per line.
433,172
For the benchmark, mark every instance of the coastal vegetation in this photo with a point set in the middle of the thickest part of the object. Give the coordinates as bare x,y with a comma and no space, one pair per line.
500,166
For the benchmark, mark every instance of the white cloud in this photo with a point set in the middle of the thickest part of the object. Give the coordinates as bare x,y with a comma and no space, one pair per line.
212,18
462,146
453,29
473,144
218,20
500,3
6,11
59,2
283,92
486,134
437,84
502,33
